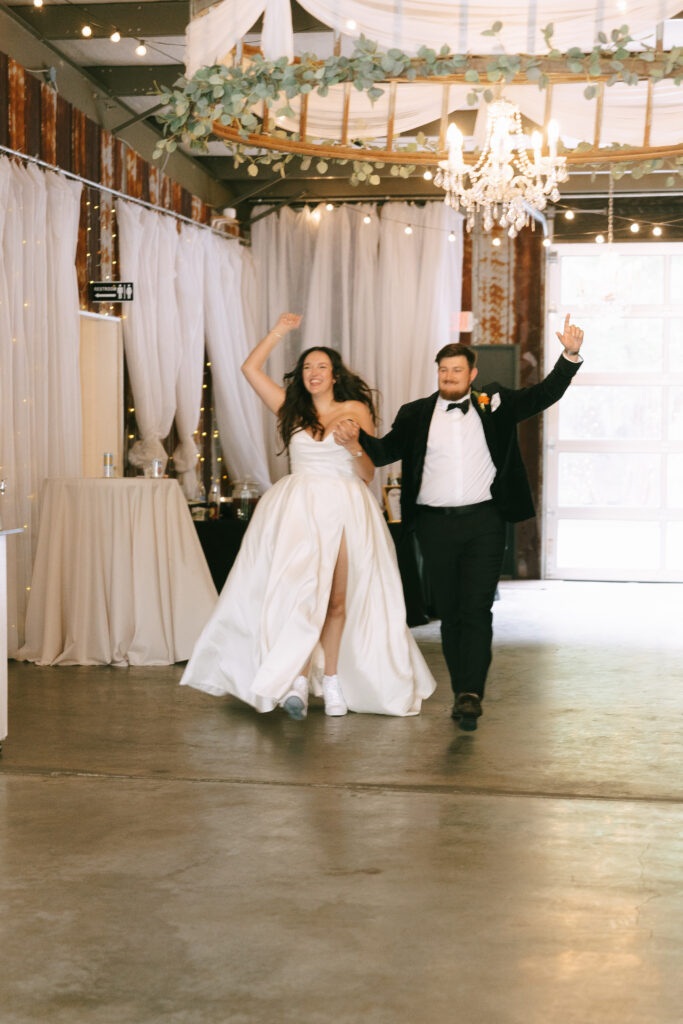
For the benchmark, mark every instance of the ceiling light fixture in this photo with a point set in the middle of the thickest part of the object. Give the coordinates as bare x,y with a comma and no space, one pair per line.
141,49
505,186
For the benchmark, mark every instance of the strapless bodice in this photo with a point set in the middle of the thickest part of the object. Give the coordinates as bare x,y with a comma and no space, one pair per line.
325,458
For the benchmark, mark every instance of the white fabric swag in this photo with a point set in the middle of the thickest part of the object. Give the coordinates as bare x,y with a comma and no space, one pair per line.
409,24
40,408
386,300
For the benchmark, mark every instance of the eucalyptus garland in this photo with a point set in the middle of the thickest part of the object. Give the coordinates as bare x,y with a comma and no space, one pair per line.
229,95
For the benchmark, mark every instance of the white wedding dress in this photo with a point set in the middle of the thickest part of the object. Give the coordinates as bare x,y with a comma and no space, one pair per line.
271,610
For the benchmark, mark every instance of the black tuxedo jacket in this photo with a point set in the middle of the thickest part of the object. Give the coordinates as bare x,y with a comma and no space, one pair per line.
500,410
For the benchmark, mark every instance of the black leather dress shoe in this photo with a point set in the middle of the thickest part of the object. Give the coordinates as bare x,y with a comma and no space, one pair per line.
466,711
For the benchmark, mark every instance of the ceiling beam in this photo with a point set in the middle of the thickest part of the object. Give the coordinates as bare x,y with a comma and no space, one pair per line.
137,79
139,20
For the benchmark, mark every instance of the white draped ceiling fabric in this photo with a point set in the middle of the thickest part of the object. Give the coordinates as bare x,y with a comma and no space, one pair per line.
386,300
409,25
40,406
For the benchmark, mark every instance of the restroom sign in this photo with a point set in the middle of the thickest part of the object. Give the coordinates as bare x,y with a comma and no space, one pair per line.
110,291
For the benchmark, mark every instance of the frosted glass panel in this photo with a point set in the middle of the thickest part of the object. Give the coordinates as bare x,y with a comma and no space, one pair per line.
610,414
676,345
611,544
676,272
623,345
674,546
630,279
674,481
676,414
588,479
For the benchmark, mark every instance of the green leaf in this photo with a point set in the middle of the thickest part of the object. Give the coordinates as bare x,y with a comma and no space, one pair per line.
648,55
321,167
589,92
471,75
574,66
533,74
252,170
375,179
306,162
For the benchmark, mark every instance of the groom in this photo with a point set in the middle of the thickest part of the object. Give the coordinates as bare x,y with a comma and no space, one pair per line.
463,478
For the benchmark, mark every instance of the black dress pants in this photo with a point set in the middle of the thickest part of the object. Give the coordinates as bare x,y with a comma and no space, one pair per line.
463,554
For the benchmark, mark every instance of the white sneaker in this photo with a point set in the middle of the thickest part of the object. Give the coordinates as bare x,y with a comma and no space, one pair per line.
295,702
334,699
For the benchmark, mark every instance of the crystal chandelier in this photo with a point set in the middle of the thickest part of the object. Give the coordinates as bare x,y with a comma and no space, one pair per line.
505,185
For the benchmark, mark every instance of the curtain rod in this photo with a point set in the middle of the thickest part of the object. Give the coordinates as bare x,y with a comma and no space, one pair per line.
114,192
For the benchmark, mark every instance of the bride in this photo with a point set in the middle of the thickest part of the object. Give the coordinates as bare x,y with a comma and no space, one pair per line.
315,589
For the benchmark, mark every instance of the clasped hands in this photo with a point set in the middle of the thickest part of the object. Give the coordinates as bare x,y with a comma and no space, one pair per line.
346,433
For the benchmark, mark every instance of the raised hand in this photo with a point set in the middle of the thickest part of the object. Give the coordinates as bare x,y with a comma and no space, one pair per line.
287,322
571,337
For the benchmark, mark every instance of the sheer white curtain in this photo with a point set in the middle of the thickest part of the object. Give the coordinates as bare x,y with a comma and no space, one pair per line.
148,245
189,290
386,300
40,404
238,410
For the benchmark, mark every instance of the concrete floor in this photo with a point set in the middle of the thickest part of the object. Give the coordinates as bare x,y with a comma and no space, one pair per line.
169,857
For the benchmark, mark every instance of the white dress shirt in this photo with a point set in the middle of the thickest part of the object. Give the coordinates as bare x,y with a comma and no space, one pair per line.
458,469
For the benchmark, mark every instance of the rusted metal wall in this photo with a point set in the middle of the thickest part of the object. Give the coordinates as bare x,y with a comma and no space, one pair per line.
507,289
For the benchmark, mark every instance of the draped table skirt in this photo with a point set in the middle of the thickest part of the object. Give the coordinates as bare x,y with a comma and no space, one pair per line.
119,575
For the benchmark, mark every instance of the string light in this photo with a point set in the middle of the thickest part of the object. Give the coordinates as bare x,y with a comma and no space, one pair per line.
37,3
367,219
451,237
495,241
635,228
656,230
427,175
329,206
115,37
86,31
546,243
141,49
600,239
569,215
408,230
351,24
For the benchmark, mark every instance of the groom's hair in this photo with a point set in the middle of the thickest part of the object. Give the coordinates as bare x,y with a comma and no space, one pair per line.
448,351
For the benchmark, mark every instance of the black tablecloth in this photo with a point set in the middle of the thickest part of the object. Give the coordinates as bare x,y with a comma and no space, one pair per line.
221,539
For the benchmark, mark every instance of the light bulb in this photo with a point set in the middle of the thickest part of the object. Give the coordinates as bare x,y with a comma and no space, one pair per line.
37,3
656,230
635,228
569,215
366,219
86,31
141,49
329,206
408,230
451,237
495,241
351,24
427,175
546,243
599,239
115,37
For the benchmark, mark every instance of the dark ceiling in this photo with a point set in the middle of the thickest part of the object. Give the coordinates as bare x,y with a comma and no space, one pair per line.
123,86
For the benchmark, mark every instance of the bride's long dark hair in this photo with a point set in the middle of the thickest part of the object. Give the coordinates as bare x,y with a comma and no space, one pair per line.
298,411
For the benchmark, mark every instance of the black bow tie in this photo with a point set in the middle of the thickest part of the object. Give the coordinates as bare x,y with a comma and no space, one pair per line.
462,406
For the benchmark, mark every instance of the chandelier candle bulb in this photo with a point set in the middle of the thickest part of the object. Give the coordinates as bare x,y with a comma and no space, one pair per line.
553,136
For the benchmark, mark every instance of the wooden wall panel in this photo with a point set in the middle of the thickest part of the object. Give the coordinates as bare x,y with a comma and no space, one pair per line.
63,142
48,125
32,114
4,100
17,107
528,289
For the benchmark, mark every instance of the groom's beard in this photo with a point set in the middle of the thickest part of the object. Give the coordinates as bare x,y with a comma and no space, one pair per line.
453,393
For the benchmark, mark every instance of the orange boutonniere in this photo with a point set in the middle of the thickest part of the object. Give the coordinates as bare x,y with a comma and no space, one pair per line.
483,400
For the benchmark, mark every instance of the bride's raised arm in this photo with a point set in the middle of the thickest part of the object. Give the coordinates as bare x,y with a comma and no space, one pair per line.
252,367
